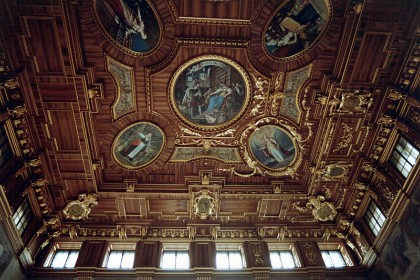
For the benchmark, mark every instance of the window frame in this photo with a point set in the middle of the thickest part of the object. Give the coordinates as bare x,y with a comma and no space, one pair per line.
24,216
175,247
62,246
282,247
230,247
371,214
400,161
340,248
116,247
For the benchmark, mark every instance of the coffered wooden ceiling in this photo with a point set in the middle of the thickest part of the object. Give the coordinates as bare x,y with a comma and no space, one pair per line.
333,101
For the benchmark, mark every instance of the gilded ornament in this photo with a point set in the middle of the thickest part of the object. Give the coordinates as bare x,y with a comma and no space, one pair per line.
80,209
204,203
345,139
322,211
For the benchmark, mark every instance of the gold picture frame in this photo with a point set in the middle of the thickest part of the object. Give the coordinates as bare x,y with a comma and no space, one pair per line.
140,43
138,145
209,92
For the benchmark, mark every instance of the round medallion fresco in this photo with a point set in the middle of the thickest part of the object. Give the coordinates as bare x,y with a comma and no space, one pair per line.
132,24
209,92
272,147
295,26
138,145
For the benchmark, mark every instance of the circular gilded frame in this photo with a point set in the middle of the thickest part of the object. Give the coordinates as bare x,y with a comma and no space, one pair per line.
139,39
138,145
292,29
212,87
273,147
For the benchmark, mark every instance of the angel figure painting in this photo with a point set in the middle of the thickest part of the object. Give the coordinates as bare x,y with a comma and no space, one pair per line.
295,26
131,23
272,147
209,92
138,145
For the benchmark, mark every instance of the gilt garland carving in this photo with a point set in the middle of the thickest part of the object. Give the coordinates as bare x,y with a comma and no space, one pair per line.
260,95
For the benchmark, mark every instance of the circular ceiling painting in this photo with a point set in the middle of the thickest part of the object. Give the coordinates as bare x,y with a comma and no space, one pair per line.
295,26
138,145
209,92
130,24
272,147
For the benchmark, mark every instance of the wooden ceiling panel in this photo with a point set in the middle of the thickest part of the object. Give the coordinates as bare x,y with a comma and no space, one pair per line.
134,206
372,57
270,207
58,92
64,131
168,206
239,207
233,9
45,45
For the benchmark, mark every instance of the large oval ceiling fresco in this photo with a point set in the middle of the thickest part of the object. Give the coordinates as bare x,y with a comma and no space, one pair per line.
296,26
209,92
130,24
138,145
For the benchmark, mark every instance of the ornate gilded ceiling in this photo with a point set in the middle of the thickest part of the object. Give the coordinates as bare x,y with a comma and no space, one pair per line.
218,118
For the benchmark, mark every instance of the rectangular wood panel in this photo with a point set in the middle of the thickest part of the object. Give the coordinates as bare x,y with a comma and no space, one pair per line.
58,92
63,129
370,58
45,45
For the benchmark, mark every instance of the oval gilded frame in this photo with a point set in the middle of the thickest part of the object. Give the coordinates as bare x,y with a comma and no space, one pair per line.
128,152
265,143
305,49
197,60
117,44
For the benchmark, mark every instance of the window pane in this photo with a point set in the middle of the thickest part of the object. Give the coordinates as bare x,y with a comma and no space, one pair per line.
128,259
374,218
71,260
168,259
404,157
222,260
333,258
182,260
275,260
327,260
235,260
114,260
60,258
337,259
287,259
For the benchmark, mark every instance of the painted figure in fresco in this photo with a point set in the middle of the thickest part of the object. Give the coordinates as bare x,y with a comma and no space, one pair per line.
293,28
131,20
137,146
218,97
193,99
272,149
